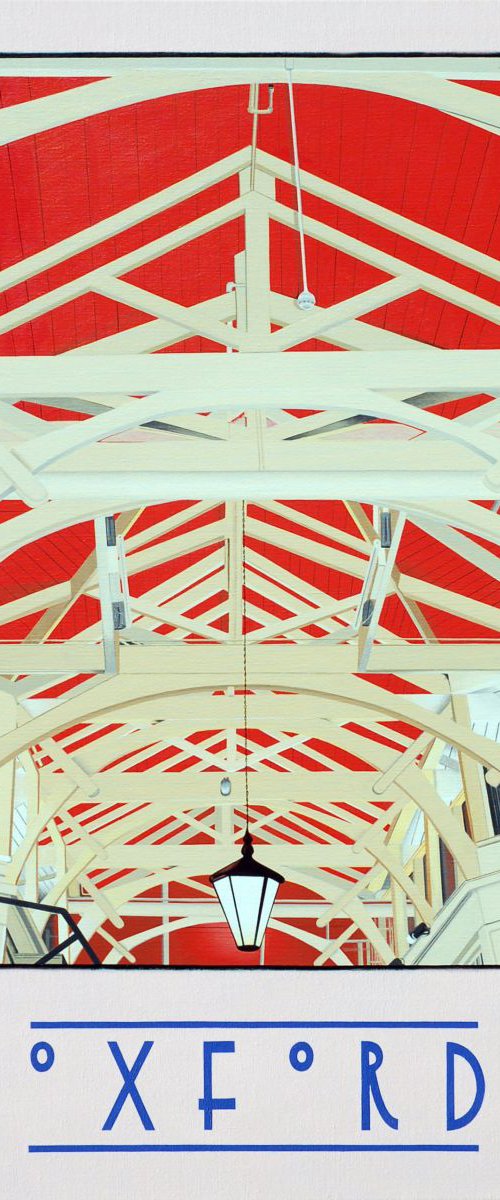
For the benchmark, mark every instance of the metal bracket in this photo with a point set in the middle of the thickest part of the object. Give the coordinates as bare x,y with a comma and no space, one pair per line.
385,529
366,612
253,100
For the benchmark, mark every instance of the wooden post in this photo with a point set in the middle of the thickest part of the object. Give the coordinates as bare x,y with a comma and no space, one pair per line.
473,779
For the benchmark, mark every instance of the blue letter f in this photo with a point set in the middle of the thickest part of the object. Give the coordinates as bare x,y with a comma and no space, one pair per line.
209,1102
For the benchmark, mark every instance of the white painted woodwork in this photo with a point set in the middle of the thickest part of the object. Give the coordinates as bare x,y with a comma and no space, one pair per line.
218,428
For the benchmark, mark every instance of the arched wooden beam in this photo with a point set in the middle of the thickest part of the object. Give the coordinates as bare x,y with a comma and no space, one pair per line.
414,785
39,453
146,935
139,85
121,690
364,921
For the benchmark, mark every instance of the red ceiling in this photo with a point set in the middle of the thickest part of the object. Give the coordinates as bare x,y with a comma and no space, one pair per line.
427,165
414,160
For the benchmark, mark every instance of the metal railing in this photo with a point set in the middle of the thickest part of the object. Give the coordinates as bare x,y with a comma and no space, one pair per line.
75,936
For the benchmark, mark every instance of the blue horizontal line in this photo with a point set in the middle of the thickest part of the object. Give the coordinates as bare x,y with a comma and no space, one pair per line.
254,1025
185,1147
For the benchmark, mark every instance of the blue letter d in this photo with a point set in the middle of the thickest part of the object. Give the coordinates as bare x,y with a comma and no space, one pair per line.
455,1050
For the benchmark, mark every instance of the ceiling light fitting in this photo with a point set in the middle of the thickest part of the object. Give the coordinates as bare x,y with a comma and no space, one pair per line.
418,932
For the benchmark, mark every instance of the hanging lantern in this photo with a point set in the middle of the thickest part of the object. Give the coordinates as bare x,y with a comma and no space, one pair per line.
247,891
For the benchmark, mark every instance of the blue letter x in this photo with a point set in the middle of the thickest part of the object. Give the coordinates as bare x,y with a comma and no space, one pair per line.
129,1089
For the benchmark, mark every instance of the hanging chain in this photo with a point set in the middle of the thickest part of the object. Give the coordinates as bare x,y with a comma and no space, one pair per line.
245,674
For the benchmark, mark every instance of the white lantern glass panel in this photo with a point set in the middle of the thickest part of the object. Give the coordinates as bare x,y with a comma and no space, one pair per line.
267,904
226,898
246,891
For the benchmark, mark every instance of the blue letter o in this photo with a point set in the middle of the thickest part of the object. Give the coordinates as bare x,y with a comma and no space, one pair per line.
46,1062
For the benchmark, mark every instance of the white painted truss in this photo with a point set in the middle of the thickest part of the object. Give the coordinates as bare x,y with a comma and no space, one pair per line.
162,706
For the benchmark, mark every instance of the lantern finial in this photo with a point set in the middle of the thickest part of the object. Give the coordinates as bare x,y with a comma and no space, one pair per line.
247,846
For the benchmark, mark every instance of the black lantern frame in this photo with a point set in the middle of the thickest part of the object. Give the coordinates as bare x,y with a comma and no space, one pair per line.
246,891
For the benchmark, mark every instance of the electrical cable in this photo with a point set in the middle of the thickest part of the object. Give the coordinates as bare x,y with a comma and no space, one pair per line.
305,300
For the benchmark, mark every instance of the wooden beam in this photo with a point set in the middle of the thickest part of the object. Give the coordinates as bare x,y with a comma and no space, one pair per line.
460,656
85,239
472,778
379,259
258,380
8,722
422,235
138,84
400,919
126,262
